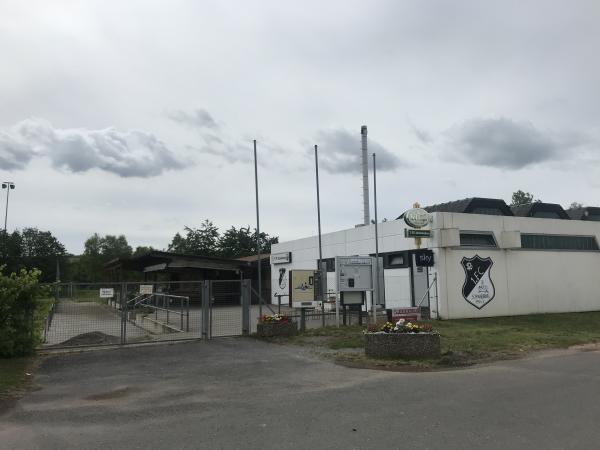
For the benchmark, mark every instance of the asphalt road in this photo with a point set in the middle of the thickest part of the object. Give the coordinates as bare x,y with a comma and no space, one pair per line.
241,393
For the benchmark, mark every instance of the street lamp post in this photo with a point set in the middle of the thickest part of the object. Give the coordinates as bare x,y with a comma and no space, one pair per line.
8,185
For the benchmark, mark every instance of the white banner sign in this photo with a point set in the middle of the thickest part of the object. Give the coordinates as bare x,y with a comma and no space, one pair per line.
107,292
146,289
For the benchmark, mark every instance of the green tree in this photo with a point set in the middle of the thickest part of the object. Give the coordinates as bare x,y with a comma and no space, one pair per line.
40,243
142,249
522,198
32,248
237,242
575,205
178,244
112,247
98,250
197,241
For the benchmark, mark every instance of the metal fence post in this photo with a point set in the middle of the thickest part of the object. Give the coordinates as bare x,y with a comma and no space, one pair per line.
205,309
303,319
125,317
245,308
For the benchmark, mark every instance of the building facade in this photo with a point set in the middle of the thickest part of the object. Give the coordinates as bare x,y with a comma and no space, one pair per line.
487,261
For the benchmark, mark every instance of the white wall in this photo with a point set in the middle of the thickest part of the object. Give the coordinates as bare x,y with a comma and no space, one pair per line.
354,241
526,281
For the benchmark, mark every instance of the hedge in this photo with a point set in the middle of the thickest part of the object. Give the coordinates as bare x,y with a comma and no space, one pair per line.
20,295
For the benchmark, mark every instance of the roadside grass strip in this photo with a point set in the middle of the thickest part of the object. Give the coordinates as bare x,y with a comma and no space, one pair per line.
467,341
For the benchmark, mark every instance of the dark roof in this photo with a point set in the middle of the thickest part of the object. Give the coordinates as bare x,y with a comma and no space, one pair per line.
470,205
537,209
166,260
583,213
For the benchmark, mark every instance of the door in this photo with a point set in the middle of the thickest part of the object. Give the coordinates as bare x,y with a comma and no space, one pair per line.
420,283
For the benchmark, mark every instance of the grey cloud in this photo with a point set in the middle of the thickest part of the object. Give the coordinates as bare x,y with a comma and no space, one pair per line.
422,135
504,143
340,152
198,118
14,155
131,153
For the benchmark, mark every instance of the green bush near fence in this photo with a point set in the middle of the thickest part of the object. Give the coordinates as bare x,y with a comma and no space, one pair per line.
20,304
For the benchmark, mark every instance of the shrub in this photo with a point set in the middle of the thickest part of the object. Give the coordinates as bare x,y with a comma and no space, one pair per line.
19,298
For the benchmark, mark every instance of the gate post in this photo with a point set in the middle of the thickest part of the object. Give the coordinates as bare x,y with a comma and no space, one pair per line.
205,309
122,302
246,307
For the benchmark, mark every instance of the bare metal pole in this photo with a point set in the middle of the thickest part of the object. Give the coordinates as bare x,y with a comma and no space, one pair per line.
321,296
258,258
373,299
8,185
6,210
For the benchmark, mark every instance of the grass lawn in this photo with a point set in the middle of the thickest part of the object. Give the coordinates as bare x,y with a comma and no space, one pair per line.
468,341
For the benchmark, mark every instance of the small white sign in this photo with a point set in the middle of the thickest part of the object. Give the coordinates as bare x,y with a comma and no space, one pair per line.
107,292
146,288
281,258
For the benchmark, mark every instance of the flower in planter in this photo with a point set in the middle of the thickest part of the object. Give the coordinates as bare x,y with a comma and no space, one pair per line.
275,318
402,327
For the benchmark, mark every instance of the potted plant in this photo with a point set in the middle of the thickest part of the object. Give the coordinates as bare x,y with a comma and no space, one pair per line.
402,340
276,325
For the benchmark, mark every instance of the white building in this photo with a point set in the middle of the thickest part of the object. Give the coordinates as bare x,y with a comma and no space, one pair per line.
488,260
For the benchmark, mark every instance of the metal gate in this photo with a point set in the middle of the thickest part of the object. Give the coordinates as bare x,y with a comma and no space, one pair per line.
92,314
226,308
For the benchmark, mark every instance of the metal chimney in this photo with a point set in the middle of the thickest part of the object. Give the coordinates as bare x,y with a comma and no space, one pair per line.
365,174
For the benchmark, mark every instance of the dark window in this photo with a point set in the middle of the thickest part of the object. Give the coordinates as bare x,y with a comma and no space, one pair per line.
558,242
594,217
330,263
395,260
547,215
477,240
488,211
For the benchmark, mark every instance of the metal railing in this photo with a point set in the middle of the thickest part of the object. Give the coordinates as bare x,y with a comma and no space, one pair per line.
145,301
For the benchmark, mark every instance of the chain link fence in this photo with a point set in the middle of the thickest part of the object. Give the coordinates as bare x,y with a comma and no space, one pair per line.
93,314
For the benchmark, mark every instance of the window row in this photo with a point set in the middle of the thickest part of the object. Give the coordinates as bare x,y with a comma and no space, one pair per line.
532,241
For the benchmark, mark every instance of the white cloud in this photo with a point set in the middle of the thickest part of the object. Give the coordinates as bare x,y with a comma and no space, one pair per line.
130,153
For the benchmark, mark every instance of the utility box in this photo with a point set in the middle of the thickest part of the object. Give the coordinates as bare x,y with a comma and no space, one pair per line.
354,273
357,275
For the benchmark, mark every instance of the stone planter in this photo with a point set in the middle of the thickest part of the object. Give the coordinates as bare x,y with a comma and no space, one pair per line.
402,345
270,329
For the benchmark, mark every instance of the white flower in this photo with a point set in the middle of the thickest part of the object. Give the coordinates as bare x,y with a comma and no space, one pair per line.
396,328
400,322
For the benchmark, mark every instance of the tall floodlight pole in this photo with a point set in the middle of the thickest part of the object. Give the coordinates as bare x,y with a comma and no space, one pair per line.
258,261
320,267
8,185
377,292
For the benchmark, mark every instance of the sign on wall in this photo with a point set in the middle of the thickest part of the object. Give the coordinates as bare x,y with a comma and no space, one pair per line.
281,258
302,288
478,288
107,292
146,288
409,232
424,258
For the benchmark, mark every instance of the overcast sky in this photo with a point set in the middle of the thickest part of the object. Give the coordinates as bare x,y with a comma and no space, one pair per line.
137,117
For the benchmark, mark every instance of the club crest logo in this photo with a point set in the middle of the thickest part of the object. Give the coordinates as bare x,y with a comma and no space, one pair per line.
478,288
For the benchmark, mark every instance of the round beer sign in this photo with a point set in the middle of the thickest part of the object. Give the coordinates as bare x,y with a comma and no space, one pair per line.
416,218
